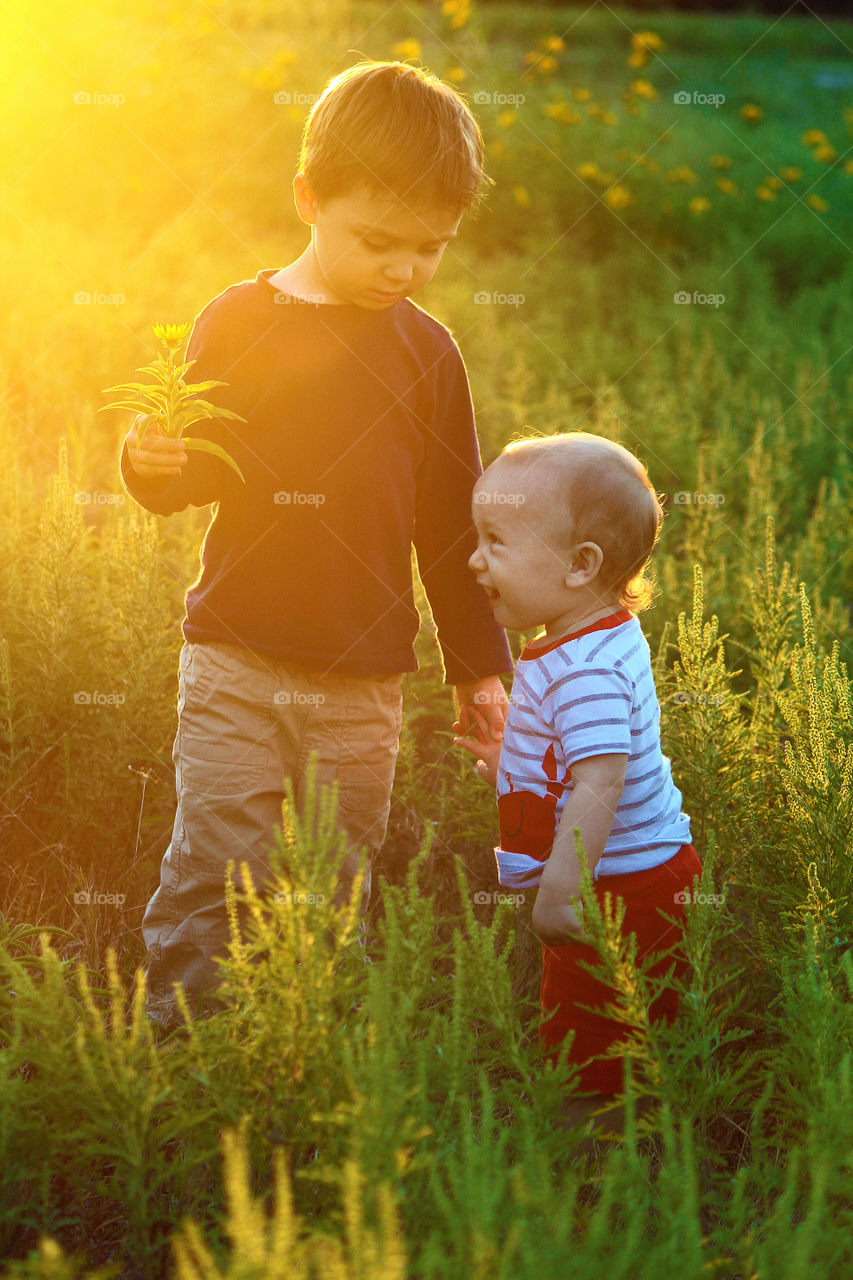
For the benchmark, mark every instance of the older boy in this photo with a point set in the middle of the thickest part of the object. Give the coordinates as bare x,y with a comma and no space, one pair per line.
566,525
359,440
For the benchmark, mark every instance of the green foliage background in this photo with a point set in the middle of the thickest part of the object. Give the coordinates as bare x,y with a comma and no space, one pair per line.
392,1118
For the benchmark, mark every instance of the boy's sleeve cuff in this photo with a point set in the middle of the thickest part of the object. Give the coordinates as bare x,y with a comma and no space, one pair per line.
518,870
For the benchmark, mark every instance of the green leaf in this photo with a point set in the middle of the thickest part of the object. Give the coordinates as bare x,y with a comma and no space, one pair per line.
207,446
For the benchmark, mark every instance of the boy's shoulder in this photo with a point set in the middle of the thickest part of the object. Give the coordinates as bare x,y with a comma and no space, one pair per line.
231,315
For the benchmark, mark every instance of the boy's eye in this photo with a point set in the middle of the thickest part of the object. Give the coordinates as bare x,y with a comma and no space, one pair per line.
371,244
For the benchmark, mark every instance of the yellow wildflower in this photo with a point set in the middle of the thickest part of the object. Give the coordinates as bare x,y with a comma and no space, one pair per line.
554,43
458,11
456,74
521,196
547,64
609,117
826,154
698,205
644,89
580,94
618,197
813,137
647,40
604,179
531,57
638,58
588,170
727,187
682,174
848,166
820,206
507,118
562,111
765,194
775,184
790,174
751,113
721,162
408,50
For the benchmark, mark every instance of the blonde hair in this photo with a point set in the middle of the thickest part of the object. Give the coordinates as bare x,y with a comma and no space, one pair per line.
393,127
597,491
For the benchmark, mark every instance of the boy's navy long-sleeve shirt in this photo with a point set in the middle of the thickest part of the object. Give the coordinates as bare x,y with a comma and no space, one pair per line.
359,441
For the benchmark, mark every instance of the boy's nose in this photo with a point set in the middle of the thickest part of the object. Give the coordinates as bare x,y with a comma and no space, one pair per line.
401,273
475,561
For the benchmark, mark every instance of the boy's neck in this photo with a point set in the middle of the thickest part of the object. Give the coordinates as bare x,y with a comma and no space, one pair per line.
571,621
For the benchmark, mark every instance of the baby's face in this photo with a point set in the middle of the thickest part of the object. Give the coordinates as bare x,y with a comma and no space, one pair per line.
517,561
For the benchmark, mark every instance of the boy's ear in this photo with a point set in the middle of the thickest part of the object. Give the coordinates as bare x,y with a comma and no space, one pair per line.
586,560
304,199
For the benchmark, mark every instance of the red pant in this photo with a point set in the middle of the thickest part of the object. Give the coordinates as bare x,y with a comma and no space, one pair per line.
565,985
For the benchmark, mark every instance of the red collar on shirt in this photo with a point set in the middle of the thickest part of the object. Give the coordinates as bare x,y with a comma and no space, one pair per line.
603,624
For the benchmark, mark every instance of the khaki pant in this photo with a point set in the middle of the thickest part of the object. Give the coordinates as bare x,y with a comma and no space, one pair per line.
245,722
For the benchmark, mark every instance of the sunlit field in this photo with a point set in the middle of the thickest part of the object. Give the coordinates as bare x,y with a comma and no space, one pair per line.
665,257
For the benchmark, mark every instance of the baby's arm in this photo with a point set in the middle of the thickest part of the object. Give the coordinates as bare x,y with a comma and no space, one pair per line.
598,783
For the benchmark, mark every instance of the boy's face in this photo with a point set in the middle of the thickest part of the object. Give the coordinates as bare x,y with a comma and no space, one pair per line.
370,248
517,561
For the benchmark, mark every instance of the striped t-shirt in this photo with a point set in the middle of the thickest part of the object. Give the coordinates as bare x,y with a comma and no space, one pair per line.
590,693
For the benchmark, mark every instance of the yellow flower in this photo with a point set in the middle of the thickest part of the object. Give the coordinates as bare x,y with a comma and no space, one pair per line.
765,194
562,111
588,170
553,44
775,184
826,153
521,196
721,162
531,57
813,137
595,111
682,174
456,74
638,58
643,89
609,117
507,118
604,179
698,205
618,197
751,113
458,11
580,94
848,166
547,64
407,49
820,206
790,174
727,187
647,40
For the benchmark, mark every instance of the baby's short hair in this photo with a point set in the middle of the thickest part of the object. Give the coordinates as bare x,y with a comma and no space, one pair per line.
396,128
596,491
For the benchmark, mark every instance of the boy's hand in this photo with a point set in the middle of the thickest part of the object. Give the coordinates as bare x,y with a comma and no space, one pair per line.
160,455
488,753
482,712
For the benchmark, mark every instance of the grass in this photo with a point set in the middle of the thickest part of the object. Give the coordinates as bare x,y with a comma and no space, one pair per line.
430,1148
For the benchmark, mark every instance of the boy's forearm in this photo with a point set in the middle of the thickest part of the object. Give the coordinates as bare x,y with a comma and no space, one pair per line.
592,812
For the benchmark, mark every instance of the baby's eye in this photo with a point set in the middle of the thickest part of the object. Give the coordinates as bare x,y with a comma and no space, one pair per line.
371,244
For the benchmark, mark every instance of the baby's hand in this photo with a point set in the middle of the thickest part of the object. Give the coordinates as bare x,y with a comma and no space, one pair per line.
482,746
159,456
